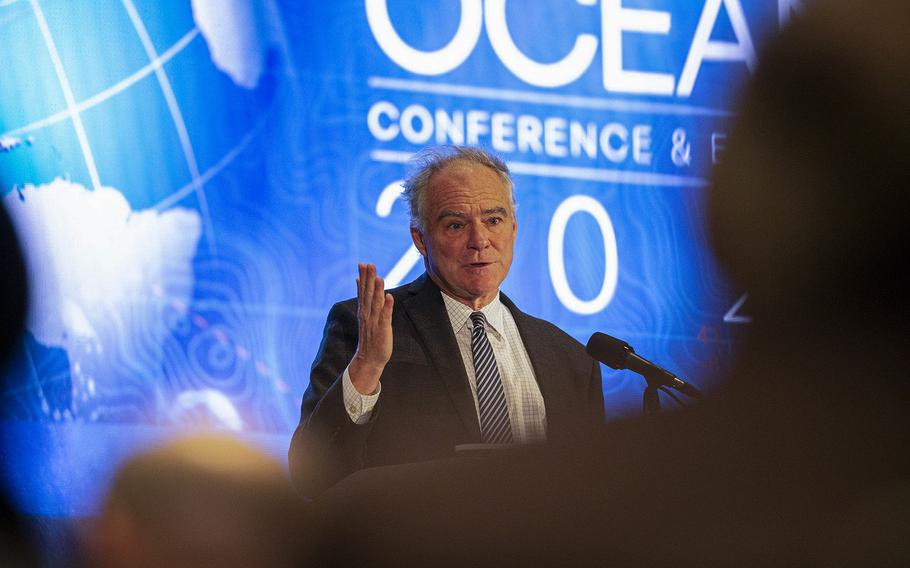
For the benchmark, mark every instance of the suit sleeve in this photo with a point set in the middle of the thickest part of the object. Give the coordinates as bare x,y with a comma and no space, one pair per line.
327,446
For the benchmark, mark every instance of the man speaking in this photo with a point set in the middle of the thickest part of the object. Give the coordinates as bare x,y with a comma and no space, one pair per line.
409,374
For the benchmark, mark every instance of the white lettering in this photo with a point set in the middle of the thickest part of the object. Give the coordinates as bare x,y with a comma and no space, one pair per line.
426,62
416,135
615,20
583,139
380,132
503,128
477,125
555,136
529,131
703,48
617,23
718,145
614,154
557,74
411,257
449,128
556,254
641,144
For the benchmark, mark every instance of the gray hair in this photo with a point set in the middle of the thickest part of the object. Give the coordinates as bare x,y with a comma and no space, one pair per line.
433,159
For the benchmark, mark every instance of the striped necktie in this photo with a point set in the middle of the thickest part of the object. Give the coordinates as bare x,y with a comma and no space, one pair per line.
495,427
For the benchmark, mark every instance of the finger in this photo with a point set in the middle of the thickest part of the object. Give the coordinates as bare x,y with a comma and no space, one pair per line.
387,309
378,296
369,285
361,269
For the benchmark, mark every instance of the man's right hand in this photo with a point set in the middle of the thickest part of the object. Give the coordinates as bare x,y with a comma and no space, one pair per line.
374,319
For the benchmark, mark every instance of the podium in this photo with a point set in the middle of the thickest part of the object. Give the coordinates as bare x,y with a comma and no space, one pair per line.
480,507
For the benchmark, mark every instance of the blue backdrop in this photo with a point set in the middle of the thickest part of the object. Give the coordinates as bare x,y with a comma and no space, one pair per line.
194,182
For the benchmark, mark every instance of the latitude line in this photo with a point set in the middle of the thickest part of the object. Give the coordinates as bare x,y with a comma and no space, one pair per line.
71,110
114,89
177,116
214,170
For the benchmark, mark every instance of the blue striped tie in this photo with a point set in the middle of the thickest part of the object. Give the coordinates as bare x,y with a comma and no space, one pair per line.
495,427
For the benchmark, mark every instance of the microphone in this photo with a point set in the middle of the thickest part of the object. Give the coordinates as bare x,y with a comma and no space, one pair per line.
618,354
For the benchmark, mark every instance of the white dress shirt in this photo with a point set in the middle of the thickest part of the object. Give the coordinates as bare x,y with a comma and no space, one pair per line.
527,412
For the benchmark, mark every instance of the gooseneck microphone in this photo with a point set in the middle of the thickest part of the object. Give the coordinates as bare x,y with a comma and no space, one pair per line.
618,354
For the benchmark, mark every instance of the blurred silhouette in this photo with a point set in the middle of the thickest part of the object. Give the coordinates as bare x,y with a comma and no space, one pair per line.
200,501
13,292
801,456
16,540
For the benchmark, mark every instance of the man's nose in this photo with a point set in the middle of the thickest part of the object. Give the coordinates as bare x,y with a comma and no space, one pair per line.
478,236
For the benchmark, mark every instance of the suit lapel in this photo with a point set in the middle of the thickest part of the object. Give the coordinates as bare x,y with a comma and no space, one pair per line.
544,360
427,311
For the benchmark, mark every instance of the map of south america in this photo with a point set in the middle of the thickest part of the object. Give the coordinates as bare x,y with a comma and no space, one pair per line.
101,277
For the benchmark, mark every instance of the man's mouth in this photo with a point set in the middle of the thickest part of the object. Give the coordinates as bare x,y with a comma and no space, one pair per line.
478,264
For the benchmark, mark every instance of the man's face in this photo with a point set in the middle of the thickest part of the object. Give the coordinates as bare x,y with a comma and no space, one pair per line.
469,232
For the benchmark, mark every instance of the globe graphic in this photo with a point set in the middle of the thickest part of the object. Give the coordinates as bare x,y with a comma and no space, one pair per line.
134,137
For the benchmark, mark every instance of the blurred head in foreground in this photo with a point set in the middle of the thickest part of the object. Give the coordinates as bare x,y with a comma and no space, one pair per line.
809,208
16,546
13,293
201,501
809,214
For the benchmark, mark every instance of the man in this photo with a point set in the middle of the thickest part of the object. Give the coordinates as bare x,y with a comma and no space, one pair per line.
409,374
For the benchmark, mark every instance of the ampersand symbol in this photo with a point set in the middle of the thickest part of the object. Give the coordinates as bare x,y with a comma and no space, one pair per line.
681,152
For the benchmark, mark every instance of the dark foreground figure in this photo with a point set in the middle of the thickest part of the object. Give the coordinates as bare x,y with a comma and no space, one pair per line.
17,544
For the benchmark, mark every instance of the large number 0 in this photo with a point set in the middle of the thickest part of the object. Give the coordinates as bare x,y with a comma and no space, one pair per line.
555,251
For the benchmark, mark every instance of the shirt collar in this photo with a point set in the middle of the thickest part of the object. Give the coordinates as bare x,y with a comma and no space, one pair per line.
460,314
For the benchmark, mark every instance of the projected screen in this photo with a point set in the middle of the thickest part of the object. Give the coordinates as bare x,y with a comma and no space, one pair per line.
195,181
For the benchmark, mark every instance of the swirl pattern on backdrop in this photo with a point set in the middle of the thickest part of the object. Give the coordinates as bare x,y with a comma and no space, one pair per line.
195,182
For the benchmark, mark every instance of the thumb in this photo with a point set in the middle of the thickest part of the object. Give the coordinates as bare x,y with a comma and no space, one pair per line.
387,307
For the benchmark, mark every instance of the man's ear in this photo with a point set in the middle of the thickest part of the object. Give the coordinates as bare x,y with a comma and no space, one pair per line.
417,237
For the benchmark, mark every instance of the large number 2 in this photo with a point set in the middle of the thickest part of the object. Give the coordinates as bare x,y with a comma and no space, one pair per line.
412,255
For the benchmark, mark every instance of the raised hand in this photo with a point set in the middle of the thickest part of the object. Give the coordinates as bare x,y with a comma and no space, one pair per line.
374,318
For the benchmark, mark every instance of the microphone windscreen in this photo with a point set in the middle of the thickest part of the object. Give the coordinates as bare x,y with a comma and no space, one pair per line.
609,350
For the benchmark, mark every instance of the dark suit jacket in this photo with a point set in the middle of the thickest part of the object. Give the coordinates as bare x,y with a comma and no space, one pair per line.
426,407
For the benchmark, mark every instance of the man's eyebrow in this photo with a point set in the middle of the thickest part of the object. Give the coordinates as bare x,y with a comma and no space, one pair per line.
501,210
462,215
451,213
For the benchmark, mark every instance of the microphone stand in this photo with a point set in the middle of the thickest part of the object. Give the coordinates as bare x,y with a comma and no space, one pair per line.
651,400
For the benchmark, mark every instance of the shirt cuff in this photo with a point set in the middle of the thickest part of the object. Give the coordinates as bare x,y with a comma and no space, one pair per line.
358,406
